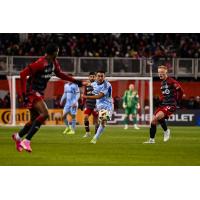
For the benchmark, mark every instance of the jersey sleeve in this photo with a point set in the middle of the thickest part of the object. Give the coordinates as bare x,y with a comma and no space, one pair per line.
179,90
62,75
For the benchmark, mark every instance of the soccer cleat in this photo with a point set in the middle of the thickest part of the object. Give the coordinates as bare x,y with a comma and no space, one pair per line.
26,145
87,135
93,141
71,132
126,126
136,127
17,142
150,141
66,130
166,135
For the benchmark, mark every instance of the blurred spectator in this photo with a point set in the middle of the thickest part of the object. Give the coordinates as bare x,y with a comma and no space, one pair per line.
197,103
117,102
191,103
6,100
1,103
184,102
56,102
131,45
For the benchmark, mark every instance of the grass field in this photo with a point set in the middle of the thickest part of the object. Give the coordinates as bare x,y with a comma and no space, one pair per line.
116,147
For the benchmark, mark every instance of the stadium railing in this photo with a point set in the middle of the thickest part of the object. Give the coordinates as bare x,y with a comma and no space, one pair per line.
4,65
113,66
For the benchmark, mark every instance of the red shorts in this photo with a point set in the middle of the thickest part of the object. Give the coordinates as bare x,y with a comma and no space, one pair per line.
167,110
89,111
33,98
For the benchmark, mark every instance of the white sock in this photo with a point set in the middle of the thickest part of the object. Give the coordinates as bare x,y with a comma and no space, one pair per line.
99,132
18,137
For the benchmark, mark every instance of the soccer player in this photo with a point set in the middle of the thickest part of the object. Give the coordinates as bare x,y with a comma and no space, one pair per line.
131,104
103,95
71,96
39,74
90,106
171,96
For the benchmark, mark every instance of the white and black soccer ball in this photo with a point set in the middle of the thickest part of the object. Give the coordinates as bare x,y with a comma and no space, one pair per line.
103,115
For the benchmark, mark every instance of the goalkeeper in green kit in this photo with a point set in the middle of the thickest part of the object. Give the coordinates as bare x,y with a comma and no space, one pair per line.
131,105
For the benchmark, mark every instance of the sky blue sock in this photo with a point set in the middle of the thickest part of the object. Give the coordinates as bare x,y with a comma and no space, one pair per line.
73,124
66,122
99,132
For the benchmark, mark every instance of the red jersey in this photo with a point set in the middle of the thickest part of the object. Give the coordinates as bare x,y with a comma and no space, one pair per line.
39,74
172,92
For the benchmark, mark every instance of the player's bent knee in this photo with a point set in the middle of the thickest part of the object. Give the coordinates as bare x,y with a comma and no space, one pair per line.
154,121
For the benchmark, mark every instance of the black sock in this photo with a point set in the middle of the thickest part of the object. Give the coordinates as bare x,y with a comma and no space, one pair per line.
87,126
163,124
25,129
35,127
96,128
152,131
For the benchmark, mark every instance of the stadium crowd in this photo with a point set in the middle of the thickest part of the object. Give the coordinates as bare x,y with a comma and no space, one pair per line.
104,45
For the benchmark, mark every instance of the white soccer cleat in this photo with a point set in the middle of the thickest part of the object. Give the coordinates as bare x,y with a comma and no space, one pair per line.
87,135
136,127
166,135
126,127
150,141
93,141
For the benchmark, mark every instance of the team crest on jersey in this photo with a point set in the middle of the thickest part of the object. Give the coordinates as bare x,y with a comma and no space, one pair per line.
166,91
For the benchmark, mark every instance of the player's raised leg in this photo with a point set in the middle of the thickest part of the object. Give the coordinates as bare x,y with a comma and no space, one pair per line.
41,108
99,131
104,115
17,137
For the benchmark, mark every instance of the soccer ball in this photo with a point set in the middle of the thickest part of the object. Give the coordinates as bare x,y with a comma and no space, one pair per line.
103,115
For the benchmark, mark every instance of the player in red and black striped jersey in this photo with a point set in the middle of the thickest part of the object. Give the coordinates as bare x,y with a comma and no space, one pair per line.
32,91
90,106
170,98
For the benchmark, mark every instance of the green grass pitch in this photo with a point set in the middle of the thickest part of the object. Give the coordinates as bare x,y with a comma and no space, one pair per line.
116,147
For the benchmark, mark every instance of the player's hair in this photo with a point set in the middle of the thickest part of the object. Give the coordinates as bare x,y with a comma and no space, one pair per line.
162,67
51,48
101,71
92,73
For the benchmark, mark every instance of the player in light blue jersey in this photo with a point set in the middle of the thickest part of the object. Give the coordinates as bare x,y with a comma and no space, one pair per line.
71,96
104,103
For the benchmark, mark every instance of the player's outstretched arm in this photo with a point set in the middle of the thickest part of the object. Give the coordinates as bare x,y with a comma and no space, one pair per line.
99,96
62,75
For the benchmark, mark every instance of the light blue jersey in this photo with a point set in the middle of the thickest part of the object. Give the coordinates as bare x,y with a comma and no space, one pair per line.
71,95
106,101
